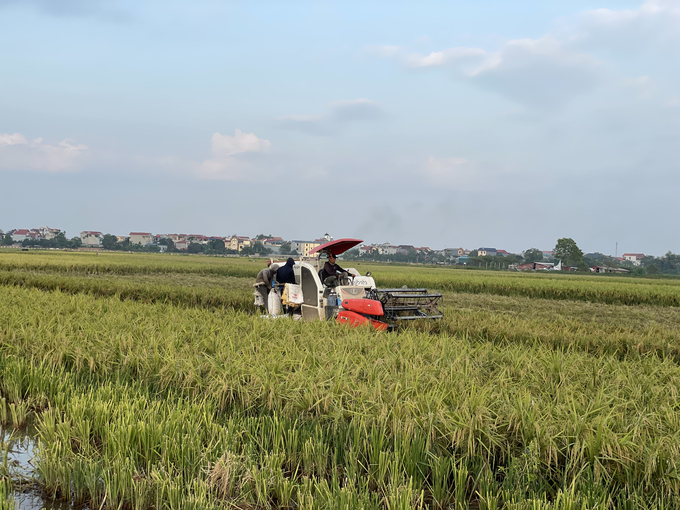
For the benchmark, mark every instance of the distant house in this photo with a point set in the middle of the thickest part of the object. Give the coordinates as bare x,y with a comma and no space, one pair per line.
19,235
198,238
547,254
47,232
403,249
535,266
502,252
237,243
273,241
386,249
175,238
605,269
143,238
91,238
486,252
462,252
635,258
122,239
181,245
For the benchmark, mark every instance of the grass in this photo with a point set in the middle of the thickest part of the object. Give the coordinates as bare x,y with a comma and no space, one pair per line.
508,402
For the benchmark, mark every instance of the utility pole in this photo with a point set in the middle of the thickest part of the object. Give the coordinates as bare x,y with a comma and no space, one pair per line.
616,253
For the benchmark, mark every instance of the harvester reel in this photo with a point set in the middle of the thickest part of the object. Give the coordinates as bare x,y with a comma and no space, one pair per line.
408,304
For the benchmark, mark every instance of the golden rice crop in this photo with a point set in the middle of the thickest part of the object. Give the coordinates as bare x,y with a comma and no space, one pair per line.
557,286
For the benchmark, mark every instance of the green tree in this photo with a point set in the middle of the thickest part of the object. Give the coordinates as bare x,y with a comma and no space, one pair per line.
568,252
109,242
284,248
259,248
195,248
166,241
217,245
533,255
7,240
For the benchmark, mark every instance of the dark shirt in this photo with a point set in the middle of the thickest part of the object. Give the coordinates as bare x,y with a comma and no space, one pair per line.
331,270
285,273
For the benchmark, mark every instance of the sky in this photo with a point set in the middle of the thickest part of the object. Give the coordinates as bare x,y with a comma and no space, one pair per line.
501,124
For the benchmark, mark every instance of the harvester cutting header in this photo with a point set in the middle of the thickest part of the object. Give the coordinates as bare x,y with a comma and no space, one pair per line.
323,291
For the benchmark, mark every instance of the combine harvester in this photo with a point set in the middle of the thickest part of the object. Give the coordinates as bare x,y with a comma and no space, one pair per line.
356,300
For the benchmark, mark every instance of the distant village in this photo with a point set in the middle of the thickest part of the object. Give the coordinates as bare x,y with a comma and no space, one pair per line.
265,245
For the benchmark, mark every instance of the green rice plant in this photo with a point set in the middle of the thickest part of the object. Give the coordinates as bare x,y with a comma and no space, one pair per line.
6,494
441,468
19,414
140,401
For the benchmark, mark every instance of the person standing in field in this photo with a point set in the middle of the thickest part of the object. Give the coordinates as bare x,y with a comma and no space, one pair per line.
263,282
285,273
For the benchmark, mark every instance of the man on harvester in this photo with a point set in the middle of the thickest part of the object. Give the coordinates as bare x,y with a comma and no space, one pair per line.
331,271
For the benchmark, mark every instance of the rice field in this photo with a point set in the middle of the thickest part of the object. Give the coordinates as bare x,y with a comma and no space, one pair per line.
151,383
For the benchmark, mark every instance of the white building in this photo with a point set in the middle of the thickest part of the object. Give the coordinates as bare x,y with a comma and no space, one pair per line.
386,249
20,235
143,238
91,238
635,258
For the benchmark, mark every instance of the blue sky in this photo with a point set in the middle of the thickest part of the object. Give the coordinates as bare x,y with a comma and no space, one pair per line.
446,124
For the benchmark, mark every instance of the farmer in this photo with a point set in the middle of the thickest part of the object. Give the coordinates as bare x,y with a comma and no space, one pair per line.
285,273
331,271
263,282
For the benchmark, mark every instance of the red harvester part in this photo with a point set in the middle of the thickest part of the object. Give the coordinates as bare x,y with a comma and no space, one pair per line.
365,306
354,319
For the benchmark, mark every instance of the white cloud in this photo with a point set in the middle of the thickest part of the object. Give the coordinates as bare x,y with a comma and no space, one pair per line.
14,139
542,72
19,153
654,22
337,113
226,145
439,58
580,54
226,164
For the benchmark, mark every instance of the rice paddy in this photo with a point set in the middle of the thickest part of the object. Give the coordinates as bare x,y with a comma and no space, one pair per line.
151,383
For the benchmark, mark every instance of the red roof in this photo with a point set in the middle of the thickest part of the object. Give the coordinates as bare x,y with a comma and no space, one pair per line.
140,233
636,255
337,247
21,232
91,232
